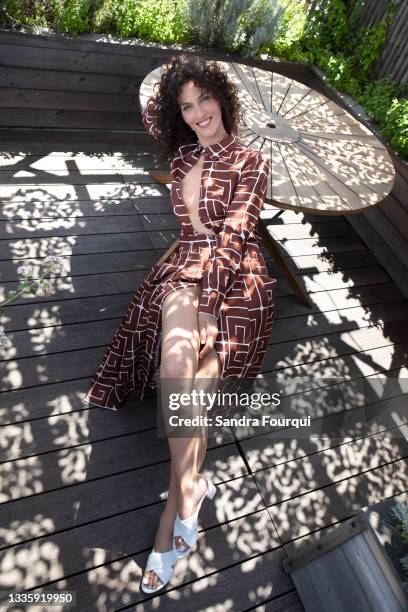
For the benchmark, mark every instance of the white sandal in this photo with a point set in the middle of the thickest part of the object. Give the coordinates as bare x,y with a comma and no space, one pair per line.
188,528
162,563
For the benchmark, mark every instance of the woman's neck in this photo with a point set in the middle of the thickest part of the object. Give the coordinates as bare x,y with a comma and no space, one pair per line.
218,136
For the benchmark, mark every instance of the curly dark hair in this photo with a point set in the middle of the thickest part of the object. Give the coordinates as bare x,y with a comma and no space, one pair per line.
209,76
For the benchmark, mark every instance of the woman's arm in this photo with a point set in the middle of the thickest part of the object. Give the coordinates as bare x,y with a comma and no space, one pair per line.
149,117
241,219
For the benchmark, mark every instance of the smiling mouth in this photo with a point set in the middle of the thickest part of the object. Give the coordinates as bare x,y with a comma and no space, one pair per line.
204,123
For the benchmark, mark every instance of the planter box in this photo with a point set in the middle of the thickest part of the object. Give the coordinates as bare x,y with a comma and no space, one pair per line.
355,566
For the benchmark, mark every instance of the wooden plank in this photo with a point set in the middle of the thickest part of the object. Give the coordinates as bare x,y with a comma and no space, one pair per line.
275,447
113,494
290,602
88,264
23,316
400,188
29,99
69,176
54,367
93,144
338,298
21,77
82,209
159,52
309,101
313,511
97,425
327,280
39,247
306,230
316,324
96,120
71,192
395,214
267,574
34,141
81,335
347,460
59,399
130,432
314,538
77,163
83,44
77,225
294,248
280,87
390,234
371,163
301,97
352,366
115,262
46,400
72,60
394,266
367,194
281,187
96,284
289,354
32,137
72,176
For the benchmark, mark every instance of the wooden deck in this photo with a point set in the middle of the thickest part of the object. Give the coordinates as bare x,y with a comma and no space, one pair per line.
82,489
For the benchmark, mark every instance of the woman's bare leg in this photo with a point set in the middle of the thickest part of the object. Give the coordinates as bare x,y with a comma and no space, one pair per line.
180,348
206,379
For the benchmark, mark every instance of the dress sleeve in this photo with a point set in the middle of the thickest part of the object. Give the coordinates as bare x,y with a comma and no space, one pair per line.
149,117
241,219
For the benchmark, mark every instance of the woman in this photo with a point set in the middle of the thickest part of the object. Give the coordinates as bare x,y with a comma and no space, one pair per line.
207,312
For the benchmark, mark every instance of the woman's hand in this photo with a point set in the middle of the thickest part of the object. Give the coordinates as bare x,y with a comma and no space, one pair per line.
208,330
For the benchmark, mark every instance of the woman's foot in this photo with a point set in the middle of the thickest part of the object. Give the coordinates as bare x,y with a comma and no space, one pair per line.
163,542
189,506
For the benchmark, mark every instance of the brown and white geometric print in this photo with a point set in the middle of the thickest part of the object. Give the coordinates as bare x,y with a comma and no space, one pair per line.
229,265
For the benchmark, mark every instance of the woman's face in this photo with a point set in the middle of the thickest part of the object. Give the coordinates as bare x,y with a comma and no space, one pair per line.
202,113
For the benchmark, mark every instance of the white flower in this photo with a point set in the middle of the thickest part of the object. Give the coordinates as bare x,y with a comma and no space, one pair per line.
51,258
25,271
53,263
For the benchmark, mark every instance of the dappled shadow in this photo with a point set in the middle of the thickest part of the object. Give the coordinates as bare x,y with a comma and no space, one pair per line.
83,488
87,498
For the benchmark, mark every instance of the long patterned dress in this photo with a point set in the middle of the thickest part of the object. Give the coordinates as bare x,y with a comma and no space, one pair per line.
236,288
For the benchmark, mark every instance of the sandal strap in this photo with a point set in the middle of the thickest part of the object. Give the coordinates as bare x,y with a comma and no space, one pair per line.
162,564
187,529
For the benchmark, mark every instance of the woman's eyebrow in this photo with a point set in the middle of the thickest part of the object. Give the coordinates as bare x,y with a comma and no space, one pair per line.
203,94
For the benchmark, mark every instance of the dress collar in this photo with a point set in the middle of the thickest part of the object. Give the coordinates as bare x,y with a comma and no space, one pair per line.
214,150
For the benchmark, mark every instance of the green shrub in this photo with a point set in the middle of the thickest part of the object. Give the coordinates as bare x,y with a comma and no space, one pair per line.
72,16
30,13
216,23
259,26
400,512
395,127
378,96
158,21
340,72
